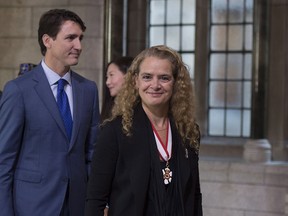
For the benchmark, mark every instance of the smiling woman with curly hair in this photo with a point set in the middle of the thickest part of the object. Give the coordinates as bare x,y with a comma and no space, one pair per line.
146,159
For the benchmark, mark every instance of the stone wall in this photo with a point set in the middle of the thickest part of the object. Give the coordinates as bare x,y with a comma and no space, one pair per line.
244,189
18,36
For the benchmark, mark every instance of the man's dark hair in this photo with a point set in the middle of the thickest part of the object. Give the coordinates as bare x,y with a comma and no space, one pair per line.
51,22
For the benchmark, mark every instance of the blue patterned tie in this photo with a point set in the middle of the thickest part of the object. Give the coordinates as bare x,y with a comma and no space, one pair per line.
63,104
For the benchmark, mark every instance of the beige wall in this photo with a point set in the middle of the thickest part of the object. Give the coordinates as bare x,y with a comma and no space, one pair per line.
18,35
244,189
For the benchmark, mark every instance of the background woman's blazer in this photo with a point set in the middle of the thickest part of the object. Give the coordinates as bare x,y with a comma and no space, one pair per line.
125,169
37,161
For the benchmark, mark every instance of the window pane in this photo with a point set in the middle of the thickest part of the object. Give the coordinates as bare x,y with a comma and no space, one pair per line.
173,37
188,38
248,37
216,122
218,38
217,94
188,59
246,123
188,11
234,94
248,66
236,11
230,64
235,37
234,66
172,23
233,123
247,94
249,10
157,12
217,66
219,11
173,12
156,35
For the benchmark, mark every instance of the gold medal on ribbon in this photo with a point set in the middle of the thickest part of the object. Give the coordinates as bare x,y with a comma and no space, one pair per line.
167,175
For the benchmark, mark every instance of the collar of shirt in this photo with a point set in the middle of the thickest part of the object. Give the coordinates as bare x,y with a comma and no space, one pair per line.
53,77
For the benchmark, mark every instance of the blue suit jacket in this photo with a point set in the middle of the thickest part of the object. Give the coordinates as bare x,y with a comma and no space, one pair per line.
37,161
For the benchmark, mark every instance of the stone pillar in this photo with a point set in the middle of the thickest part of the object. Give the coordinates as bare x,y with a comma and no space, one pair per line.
257,151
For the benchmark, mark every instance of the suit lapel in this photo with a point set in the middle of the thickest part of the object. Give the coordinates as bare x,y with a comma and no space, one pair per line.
140,158
43,89
183,165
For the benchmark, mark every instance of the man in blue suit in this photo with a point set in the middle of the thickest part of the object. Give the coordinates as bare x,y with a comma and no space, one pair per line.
44,162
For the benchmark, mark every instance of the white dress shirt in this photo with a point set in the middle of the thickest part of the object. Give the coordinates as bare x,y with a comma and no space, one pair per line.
53,78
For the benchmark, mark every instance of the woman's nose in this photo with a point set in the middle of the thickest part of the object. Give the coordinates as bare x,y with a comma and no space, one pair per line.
156,83
107,81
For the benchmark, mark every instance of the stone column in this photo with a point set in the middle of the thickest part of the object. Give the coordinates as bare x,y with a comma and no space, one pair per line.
258,150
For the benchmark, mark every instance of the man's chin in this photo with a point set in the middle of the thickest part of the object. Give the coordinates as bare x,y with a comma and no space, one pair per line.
75,62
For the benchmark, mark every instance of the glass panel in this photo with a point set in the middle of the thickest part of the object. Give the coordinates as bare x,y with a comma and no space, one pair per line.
173,12
216,122
234,94
217,94
188,11
249,10
173,37
219,11
234,66
248,66
236,11
247,94
233,123
218,38
246,123
157,12
217,66
248,37
188,59
188,38
235,37
156,35
230,67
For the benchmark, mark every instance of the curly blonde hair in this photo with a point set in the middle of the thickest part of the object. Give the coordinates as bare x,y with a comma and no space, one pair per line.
181,107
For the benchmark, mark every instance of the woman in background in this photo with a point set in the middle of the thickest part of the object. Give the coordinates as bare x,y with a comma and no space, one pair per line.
115,74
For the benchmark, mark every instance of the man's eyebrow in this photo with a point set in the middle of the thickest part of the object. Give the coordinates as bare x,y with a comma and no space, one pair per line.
75,35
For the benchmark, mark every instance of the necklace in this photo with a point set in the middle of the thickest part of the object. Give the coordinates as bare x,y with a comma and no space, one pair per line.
165,150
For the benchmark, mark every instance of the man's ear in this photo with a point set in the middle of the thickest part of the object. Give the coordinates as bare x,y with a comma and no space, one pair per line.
46,40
